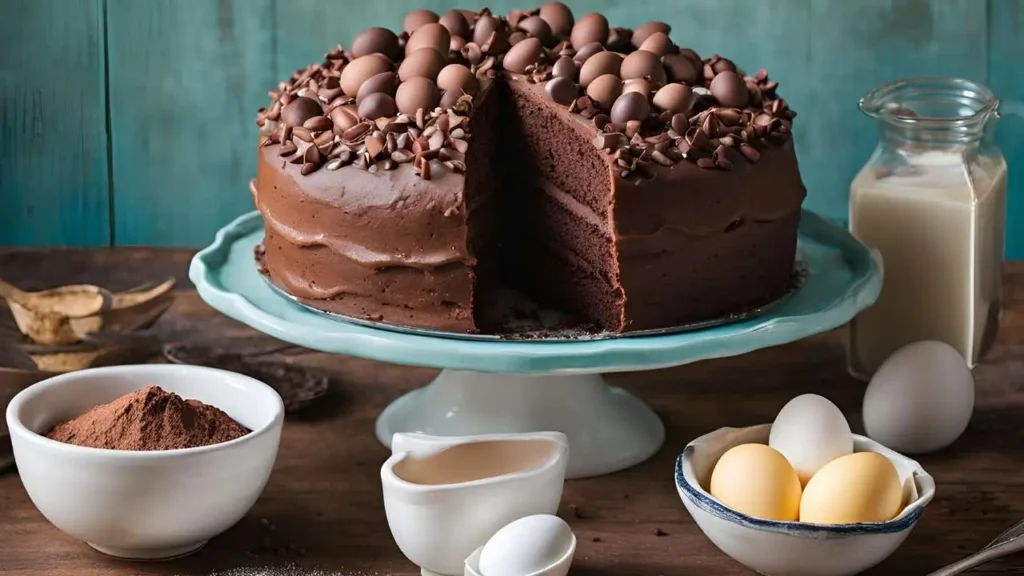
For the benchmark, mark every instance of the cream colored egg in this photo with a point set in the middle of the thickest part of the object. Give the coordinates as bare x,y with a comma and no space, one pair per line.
810,431
526,546
758,481
860,487
920,400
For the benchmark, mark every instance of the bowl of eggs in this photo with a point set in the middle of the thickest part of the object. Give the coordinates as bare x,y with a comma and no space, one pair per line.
802,496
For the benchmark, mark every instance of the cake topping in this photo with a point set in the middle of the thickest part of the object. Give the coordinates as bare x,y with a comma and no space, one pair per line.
384,83
559,18
675,98
430,35
683,68
604,91
646,30
378,105
730,89
643,64
536,27
416,18
657,43
485,30
424,62
456,23
599,64
591,28
584,54
523,55
343,117
457,76
630,106
362,69
653,101
300,110
564,68
561,90
415,94
375,39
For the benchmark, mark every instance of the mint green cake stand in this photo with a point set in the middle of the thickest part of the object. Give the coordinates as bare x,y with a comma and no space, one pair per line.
502,386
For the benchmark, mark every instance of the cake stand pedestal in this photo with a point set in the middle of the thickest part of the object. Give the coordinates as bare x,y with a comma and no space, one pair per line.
493,386
608,428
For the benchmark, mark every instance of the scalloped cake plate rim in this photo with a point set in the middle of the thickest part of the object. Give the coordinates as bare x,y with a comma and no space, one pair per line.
823,303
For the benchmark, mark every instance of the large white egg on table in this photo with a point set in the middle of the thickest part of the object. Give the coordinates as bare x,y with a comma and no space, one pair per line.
921,399
526,546
810,431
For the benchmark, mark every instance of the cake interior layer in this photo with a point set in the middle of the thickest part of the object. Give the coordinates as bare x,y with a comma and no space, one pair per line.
554,197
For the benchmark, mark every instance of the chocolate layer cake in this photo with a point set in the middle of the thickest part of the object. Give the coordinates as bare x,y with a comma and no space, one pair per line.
606,173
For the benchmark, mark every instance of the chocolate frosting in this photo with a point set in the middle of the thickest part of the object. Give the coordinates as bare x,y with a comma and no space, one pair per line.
399,234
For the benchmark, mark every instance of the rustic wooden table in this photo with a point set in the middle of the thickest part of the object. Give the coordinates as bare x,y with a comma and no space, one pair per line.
323,498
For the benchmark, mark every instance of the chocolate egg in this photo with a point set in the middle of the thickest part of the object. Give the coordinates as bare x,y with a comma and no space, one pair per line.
561,90
415,94
385,83
425,62
643,63
536,26
730,90
559,18
680,123
430,35
485,26
457,76
362,69
658,43
564,68
723,65
457,44
598,65
681,68
299,110
630,106
377,106
584,54
450,97
456,23
640,85
522,55
605,90
675,98
416,18
380,40
591,28
645,30
619,40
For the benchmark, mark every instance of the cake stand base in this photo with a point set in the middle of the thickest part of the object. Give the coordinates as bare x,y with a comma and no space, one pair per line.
608,428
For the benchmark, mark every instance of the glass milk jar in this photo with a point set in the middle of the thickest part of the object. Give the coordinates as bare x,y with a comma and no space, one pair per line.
932,201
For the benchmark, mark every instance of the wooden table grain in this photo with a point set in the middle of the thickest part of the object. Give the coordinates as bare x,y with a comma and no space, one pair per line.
323,499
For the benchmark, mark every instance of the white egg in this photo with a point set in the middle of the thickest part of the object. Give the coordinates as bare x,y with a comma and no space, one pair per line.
921,399
810,431
526,546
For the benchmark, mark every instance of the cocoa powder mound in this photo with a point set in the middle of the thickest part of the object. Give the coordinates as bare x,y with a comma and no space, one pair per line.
149,419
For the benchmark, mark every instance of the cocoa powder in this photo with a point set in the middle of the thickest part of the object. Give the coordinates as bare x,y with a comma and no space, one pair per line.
149,419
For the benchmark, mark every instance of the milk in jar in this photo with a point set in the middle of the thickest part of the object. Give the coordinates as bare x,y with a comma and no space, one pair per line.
932,201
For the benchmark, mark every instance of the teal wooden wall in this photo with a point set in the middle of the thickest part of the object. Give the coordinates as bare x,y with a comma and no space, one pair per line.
131,121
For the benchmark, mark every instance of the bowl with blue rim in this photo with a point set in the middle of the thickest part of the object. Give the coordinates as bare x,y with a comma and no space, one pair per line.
776,548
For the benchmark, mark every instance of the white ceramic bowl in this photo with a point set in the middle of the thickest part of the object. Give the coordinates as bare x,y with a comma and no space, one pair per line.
145,505
777,548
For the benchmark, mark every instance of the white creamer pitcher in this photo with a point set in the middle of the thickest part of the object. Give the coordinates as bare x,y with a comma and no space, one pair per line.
446,496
